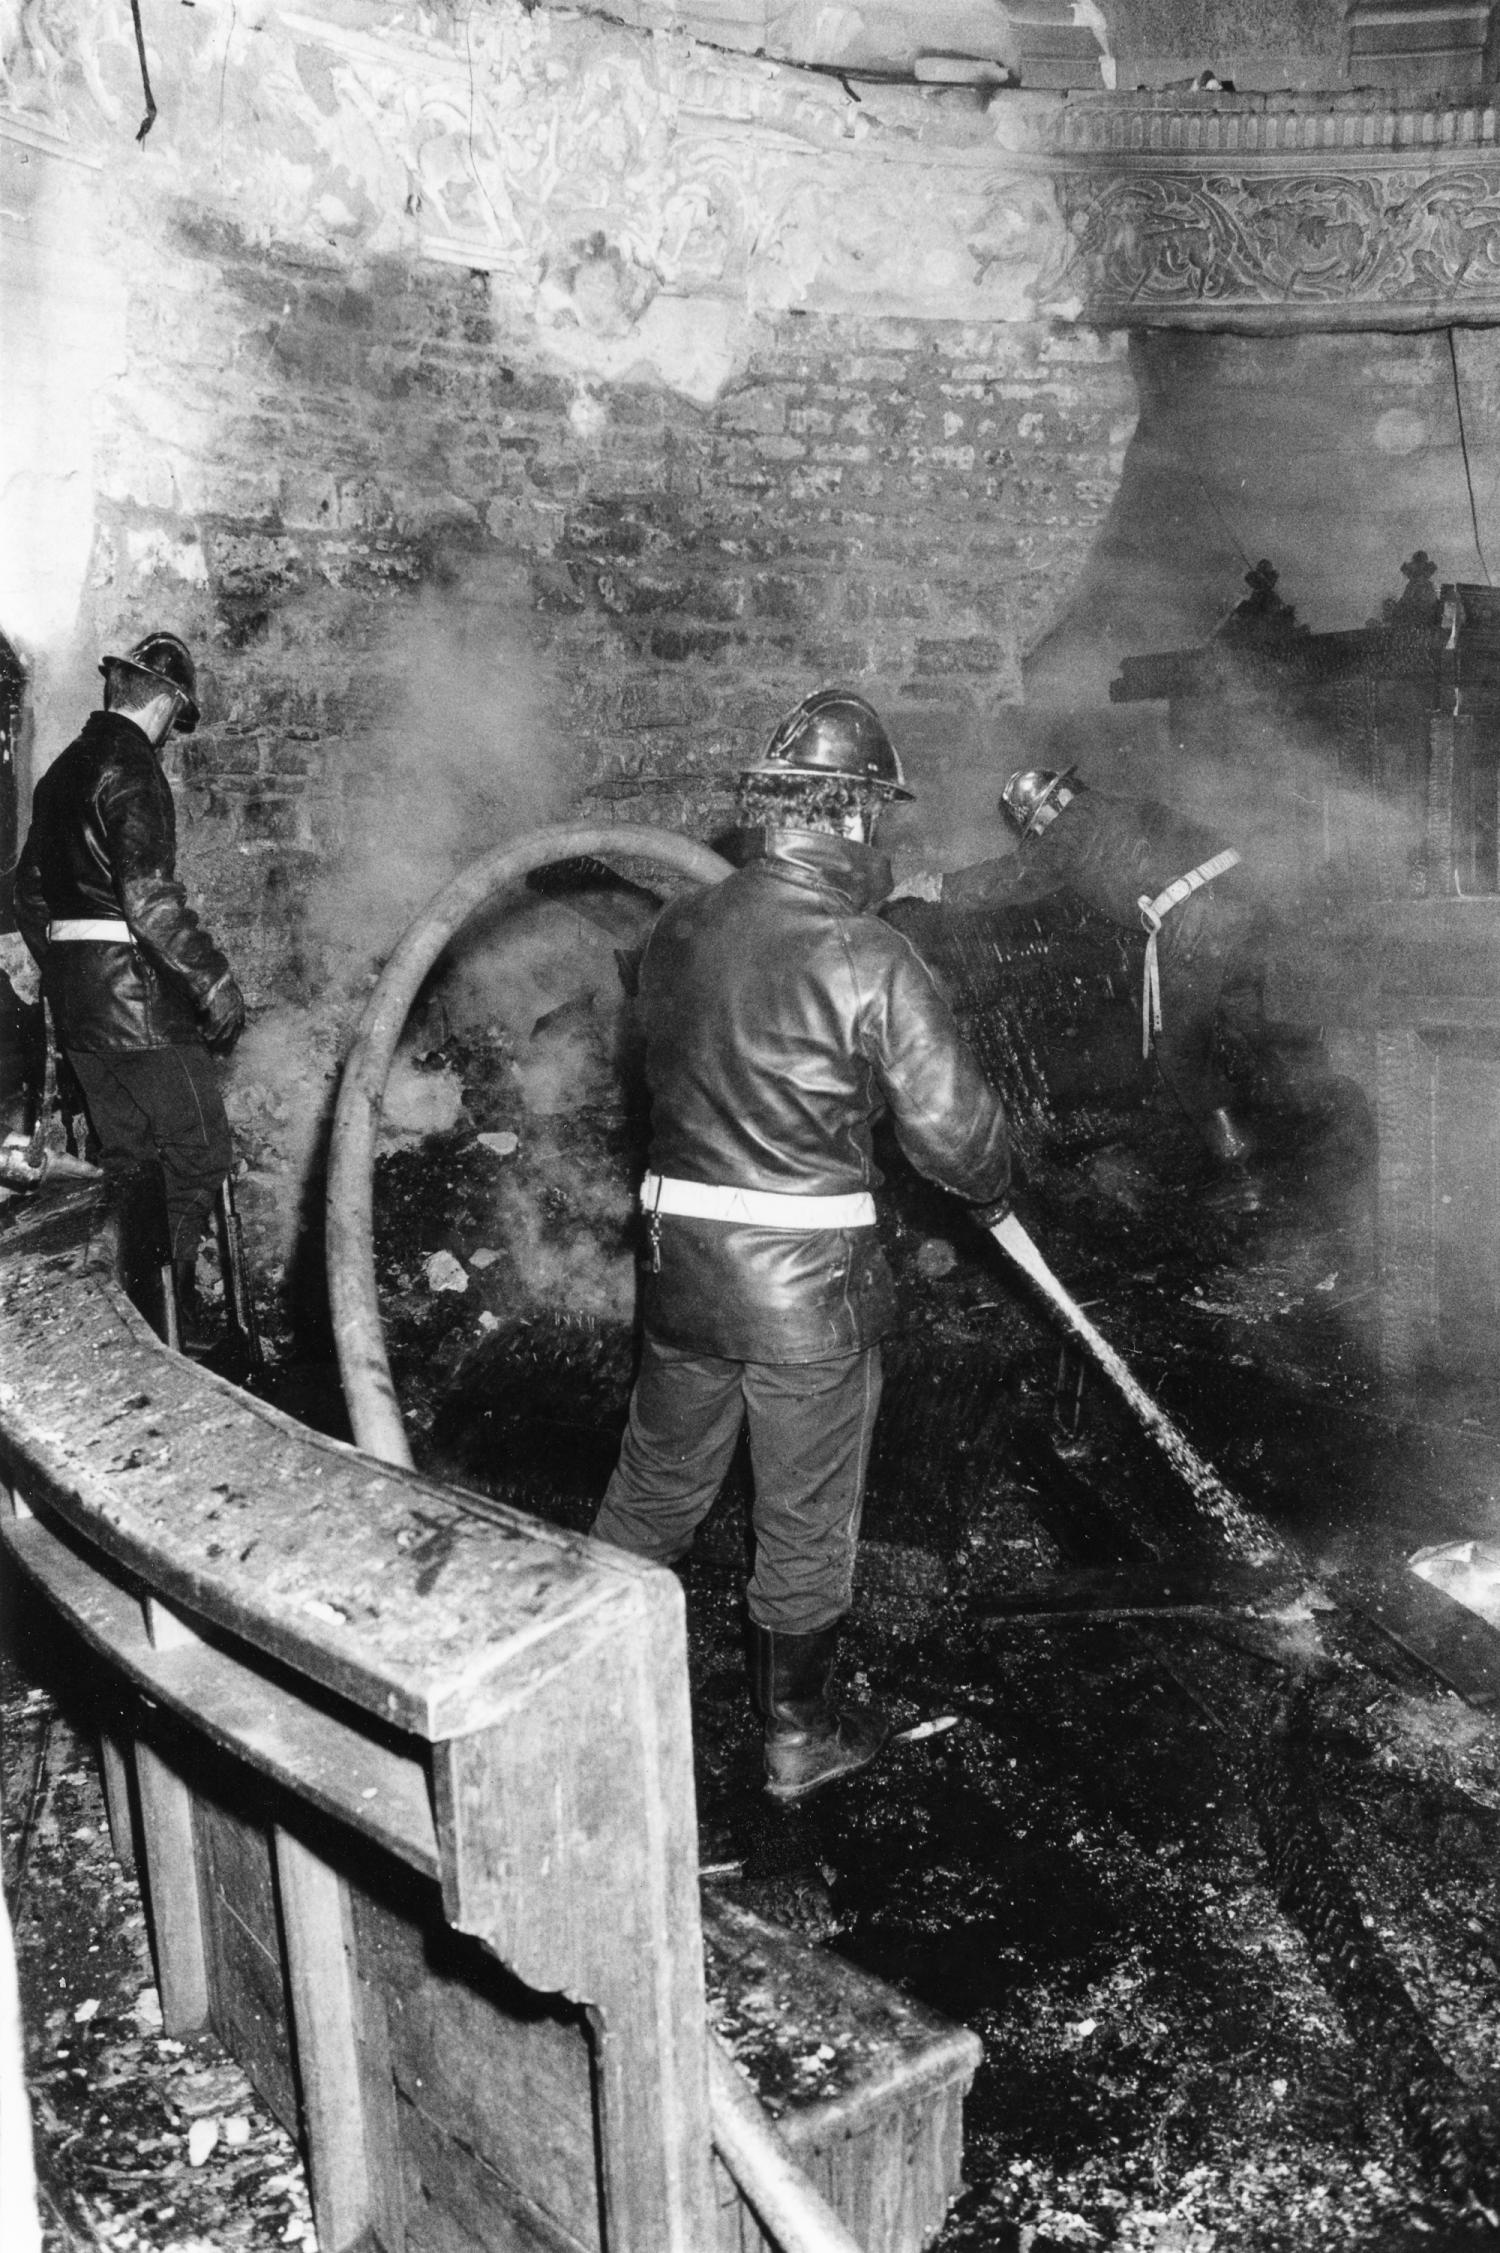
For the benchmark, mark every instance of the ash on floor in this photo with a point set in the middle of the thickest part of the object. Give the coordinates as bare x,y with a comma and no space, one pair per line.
1232,1951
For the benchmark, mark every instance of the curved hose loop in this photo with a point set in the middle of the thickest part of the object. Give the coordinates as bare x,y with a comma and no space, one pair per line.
359,1341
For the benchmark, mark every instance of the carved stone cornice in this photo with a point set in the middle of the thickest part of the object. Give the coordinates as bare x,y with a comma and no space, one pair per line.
1280,212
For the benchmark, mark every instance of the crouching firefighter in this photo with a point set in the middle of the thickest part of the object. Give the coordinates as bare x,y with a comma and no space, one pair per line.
137,989
1145,867
780,1016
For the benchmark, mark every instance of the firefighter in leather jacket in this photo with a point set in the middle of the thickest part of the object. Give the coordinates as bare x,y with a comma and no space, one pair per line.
780,1018
136,987
1143,865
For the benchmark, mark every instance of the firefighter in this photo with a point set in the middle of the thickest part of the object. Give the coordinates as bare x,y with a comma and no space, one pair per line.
138,991
1148,868
780,1016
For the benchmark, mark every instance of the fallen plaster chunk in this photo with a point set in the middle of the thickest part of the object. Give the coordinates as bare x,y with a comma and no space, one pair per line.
503,1145
445,1273
417,1103
202,2136
316,1609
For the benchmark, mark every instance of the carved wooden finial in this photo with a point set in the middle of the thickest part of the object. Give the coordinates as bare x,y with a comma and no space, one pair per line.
1261,611
1418,602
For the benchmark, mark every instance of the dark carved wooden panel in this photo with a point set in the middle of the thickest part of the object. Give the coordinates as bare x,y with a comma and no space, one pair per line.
1375,752
12,712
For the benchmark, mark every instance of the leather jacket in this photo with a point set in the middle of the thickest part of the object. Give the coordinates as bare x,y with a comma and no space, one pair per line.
1107,852
780,1019
103,844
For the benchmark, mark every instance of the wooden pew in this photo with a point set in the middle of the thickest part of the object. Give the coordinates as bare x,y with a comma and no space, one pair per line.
408,1777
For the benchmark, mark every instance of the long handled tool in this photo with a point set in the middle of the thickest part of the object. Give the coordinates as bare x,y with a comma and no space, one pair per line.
1244,1533
236,1272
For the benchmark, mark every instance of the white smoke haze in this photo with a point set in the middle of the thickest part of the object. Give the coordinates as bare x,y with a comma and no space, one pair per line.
278,1095
535,990
467,759
518,967
1311,829
463,757
561,1073
561,1260
1284,791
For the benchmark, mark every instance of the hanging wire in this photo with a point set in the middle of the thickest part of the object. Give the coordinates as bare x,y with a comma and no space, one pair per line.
140,47
1245,555
1458,401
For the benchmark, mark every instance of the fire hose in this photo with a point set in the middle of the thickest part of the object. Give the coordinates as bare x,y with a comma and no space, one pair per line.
359,1340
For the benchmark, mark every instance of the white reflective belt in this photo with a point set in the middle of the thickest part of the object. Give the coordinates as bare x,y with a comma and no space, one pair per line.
1152,912
107,927
757,1208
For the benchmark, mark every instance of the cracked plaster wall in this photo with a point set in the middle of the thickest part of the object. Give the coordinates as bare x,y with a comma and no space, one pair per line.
708,377
516,413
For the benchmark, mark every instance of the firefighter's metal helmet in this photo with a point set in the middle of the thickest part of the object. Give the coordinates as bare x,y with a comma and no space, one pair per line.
1030,790
168,658
832,733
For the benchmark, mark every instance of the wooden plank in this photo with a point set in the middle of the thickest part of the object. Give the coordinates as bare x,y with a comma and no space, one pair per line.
115,1770
1440,806
329,1762
385,2175
457,2204
315,1924
1405,1093
866,2086
504,2072
13,1504
591,1782
1453,1642
166,1628
392,1590
791,2002
172,1882
249,2009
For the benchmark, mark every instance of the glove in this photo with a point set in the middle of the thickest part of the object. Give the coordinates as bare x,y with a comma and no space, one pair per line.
223,1014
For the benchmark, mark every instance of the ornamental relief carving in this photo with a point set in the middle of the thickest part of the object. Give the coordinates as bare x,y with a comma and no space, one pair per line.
1150,245
618,187
624,189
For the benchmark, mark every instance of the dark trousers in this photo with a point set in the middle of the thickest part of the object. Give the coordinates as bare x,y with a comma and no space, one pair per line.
161,1106
810,1424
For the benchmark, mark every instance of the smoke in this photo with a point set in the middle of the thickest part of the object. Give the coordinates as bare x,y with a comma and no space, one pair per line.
547,987
556,1233
279,1100
462,756
457,753
537,961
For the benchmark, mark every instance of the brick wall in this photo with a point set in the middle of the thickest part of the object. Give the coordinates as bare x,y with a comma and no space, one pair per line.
364,500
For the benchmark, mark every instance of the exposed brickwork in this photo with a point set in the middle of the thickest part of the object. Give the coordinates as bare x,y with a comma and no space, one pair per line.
300,469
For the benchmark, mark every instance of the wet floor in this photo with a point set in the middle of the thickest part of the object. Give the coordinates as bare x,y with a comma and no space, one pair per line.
1208,1862
1140,1860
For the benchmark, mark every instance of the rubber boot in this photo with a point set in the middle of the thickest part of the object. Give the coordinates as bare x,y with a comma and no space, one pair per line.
810,1741
129,1242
